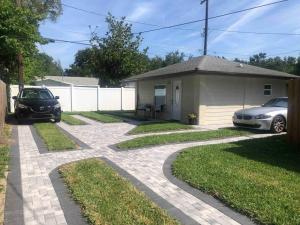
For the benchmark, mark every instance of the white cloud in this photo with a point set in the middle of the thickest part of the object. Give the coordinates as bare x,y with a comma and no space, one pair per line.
140,11
248,17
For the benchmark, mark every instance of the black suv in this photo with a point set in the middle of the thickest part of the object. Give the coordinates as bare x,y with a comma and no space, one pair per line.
37,103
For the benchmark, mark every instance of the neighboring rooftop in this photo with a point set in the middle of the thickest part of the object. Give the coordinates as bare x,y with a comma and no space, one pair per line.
85,81
211,64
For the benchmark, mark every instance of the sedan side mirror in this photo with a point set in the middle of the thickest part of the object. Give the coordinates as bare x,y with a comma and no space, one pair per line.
56,97
14,97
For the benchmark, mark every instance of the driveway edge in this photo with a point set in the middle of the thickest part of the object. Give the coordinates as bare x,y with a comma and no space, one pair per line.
171,209
167,170
13,211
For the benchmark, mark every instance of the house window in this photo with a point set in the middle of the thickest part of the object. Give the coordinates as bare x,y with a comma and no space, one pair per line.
267,90
160,95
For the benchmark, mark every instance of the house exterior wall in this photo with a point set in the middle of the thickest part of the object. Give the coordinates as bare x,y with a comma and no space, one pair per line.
221,96
214,98
145,95
189,95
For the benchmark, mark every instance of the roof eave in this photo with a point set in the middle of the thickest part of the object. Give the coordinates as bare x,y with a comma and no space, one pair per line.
196,71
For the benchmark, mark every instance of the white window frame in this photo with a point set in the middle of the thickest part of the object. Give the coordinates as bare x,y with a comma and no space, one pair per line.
268,89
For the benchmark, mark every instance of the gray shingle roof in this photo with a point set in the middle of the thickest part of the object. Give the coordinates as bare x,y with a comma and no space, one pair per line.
211,64
74,80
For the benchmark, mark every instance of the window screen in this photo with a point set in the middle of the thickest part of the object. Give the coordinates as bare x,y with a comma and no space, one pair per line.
160,95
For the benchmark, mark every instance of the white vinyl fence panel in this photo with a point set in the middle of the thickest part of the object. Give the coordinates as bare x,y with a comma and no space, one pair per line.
110,98
84,99
64,97
89,98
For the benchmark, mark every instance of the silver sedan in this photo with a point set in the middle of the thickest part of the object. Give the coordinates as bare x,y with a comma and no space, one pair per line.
270,116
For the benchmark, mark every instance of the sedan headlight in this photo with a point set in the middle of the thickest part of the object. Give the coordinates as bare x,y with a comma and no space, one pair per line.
57,106
22,106
262,116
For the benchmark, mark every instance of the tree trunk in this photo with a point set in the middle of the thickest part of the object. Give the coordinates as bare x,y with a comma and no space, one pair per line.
20,71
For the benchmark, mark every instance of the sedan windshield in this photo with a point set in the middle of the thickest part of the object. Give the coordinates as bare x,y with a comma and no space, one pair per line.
277,102
42,94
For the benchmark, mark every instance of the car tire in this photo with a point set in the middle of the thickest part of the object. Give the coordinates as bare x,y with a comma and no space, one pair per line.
278,124
18,119
57,120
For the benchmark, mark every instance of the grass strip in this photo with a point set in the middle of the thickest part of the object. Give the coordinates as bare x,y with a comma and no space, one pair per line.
54,138
4,159
260,177
71,120
152,140
4,149
125,114
107,198
104,118
159,127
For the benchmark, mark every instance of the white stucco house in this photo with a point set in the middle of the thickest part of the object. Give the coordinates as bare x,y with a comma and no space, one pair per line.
211,87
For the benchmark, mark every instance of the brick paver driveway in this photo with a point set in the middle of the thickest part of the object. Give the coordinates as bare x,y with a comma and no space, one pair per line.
41,204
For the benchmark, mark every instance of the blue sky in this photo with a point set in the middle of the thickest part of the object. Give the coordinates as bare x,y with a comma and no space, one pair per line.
284,17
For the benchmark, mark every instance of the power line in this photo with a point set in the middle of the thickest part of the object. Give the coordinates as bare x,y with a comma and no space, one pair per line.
104,15
230,53
53,40
249,55
130,21
254,32
213,17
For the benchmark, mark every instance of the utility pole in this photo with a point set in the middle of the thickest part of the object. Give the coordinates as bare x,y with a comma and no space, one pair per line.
20,60
206,26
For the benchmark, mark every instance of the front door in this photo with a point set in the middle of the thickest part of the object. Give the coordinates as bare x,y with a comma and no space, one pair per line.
176,105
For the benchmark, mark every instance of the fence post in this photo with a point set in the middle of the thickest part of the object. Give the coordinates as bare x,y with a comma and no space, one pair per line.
294,112
98,98
121,98
71,97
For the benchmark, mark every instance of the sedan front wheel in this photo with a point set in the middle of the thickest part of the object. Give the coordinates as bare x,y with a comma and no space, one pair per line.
278,124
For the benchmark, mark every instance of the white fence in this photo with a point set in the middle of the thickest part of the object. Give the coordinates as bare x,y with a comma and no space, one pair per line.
89,98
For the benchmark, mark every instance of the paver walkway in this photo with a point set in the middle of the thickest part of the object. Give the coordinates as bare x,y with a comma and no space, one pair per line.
41,204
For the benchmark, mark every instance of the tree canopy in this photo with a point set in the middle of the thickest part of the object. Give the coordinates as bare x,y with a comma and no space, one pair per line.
287,64
19,33
169,59
46,9
84,64
117,55
41,65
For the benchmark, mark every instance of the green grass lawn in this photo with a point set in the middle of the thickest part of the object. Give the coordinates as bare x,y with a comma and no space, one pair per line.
4,159
125,114
67,118
159,127
54,139
4,149
106,198
180,137
260,177
102,117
